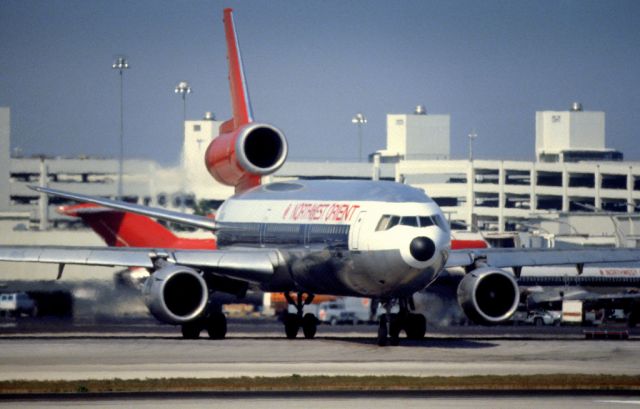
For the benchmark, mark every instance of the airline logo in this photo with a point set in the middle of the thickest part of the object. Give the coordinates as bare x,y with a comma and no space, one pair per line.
327,212
621,272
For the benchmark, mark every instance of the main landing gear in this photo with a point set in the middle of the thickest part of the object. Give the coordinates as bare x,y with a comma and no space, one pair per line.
390,325
293,322
214,322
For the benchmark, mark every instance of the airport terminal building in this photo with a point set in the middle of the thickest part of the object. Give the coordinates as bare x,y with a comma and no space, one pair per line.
574,174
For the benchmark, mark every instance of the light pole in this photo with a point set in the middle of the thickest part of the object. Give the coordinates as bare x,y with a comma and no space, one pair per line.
183,89
121,64
472,136
359,120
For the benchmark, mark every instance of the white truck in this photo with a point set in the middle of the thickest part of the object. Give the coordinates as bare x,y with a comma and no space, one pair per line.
17,304
537,318
346,310
343,310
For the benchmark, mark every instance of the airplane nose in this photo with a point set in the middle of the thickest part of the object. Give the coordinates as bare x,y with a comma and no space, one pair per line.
422,248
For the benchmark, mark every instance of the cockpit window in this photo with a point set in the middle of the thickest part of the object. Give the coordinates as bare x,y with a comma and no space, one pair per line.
441,222
388,221
425,221
383,223
409,221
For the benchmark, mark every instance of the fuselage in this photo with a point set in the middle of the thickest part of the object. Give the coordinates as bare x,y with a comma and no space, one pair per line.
365,238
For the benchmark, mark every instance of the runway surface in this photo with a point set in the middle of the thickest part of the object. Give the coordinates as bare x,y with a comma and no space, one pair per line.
461,401
71,355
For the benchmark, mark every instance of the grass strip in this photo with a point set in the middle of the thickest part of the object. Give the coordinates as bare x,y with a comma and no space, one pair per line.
557,382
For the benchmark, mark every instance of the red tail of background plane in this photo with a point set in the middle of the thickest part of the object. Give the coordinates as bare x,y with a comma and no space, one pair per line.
121,229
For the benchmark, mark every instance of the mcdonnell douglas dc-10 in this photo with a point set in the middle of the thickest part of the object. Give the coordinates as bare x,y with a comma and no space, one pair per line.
375,239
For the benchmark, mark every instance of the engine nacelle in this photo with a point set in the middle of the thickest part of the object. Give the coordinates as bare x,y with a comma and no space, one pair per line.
176,294
488,295
253,150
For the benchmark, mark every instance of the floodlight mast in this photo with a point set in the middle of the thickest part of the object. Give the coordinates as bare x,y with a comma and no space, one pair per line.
183,89
121,64
359,119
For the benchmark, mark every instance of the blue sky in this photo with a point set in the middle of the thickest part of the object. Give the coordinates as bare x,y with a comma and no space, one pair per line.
311,65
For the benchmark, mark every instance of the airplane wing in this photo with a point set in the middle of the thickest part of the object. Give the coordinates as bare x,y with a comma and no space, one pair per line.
553,298
255,266
501,258
554,295
157,213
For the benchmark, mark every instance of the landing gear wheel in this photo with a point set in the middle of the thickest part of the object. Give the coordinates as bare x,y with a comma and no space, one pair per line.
416,326
394,329
192,329
309,325
293,322
382,331
216,325
291,325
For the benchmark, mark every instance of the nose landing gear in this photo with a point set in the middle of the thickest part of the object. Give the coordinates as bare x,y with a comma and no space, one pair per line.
390,325
293,322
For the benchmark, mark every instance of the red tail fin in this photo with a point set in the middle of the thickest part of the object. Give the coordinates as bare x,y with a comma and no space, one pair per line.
244,151
121,229
240,103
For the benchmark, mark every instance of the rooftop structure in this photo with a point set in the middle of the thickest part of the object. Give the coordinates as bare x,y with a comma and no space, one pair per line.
572,136
417,136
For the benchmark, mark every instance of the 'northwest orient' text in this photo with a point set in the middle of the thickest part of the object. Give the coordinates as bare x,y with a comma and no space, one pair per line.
328,212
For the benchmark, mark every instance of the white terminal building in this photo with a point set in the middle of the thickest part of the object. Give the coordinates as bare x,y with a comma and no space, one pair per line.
574,175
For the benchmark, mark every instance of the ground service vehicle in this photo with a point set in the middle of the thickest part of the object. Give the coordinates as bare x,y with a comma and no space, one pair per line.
346,310
17,304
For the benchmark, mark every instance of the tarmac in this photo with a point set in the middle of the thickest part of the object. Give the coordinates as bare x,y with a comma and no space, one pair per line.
151,351
454,399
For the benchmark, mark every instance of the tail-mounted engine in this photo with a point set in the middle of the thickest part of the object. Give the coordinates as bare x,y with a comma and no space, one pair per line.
239,158
488,296
176,294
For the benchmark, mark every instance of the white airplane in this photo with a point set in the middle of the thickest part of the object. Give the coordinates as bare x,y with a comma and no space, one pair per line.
374,239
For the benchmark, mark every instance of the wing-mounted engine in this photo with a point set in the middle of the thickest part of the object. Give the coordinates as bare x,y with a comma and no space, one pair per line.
240,158
488,295
176,294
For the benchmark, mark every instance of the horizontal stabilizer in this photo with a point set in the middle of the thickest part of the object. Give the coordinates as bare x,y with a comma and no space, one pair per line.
162,214
124,229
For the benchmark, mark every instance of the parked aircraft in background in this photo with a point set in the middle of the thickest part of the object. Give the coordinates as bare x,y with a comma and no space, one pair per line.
612,287
374,239
122,229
